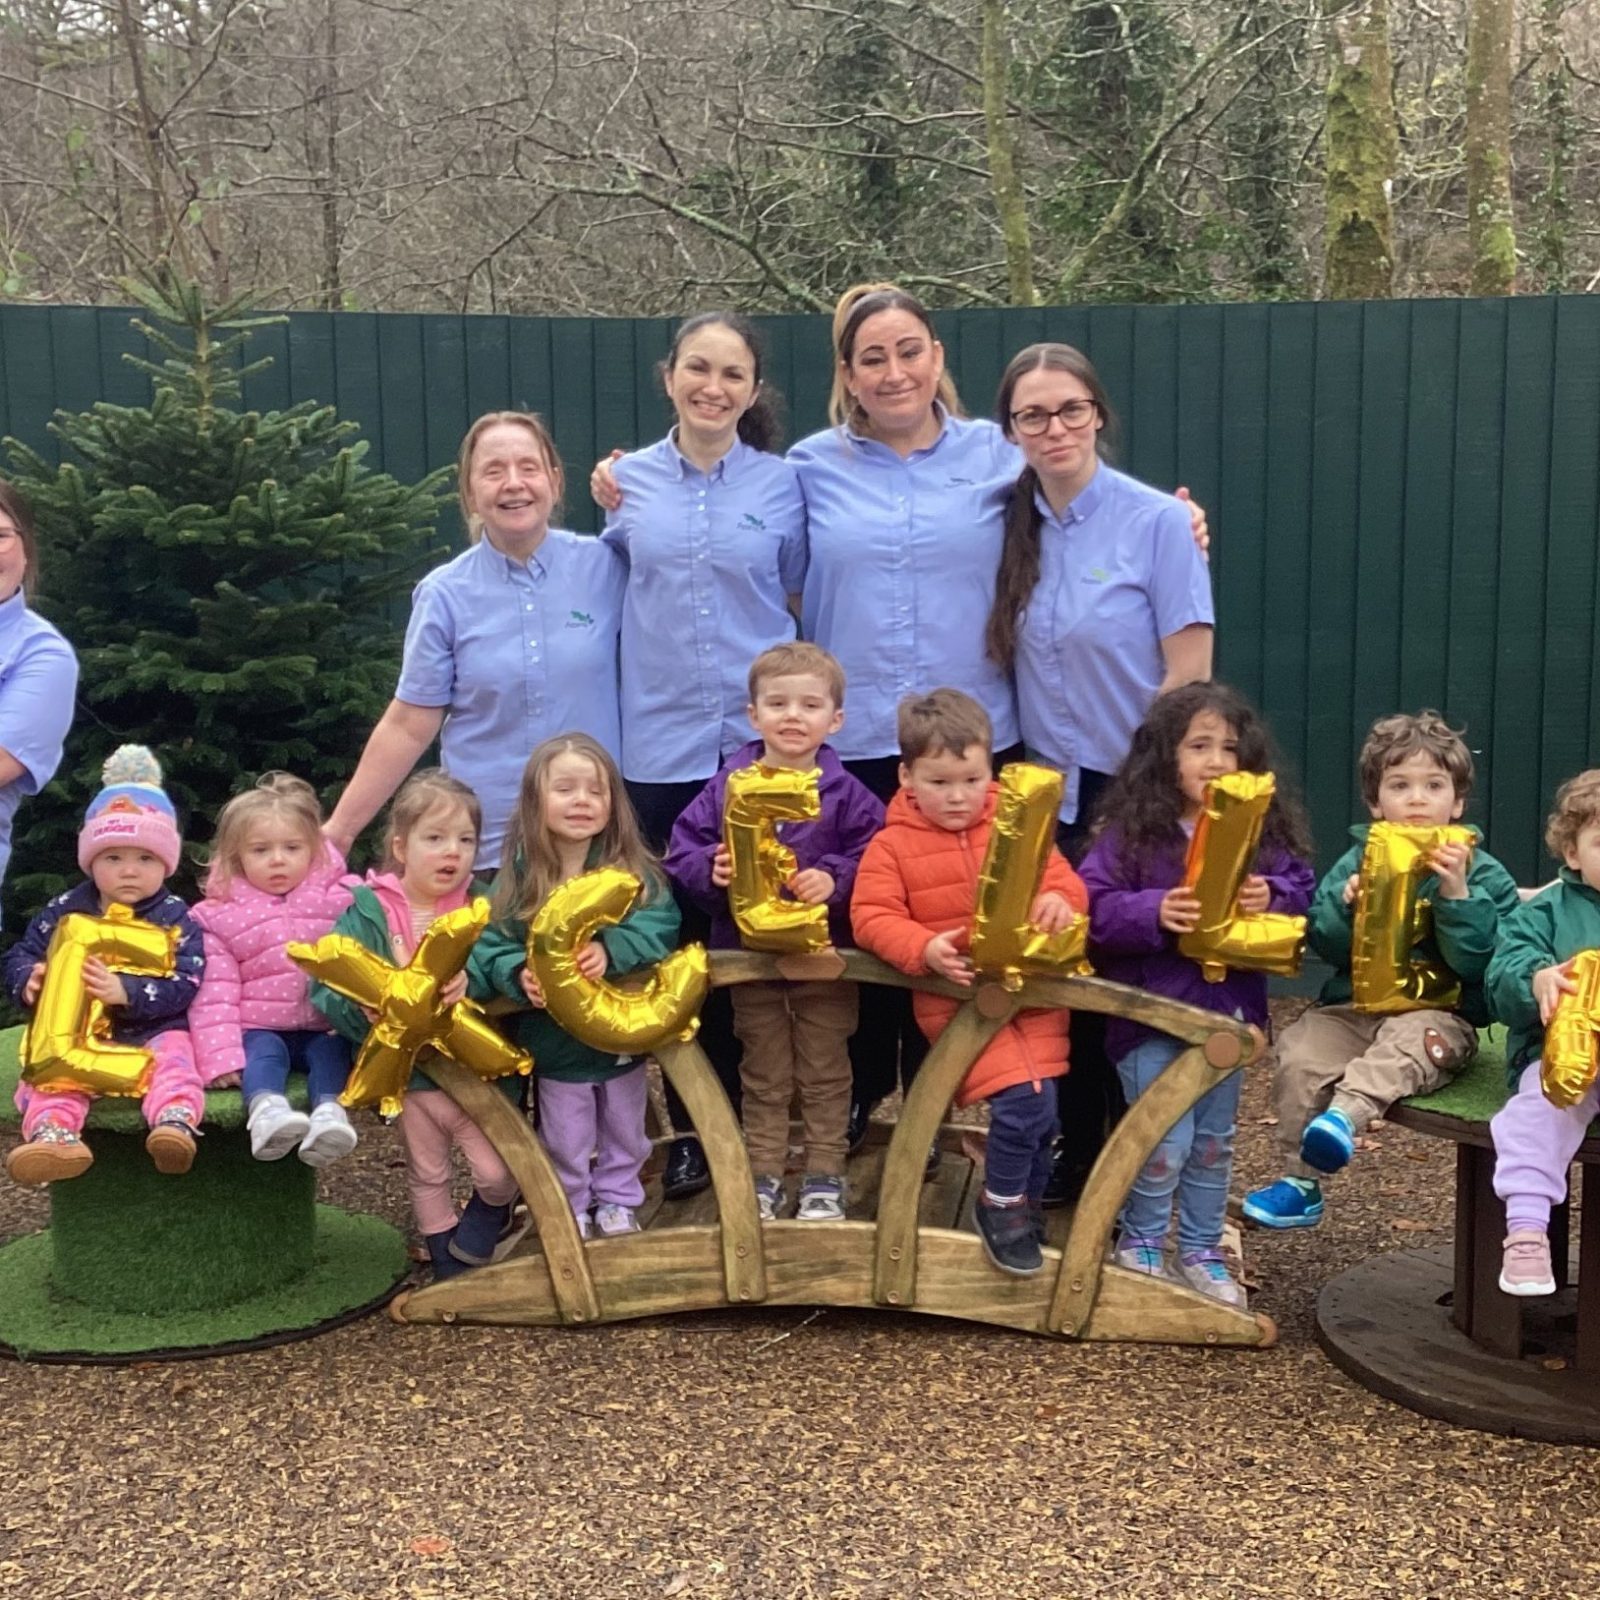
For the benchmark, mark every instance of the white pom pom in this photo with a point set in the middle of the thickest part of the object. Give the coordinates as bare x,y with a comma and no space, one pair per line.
131,763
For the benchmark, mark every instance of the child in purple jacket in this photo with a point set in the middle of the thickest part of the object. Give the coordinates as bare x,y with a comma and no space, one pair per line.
1137,911
795,1035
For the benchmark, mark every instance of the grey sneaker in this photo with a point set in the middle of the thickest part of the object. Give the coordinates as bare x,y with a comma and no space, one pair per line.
1526,1268
769,1196
1208,1271
821,1199
1142,1255
610,1220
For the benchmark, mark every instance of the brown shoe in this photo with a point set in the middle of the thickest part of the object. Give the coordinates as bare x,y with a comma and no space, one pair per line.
51,1159
171,1146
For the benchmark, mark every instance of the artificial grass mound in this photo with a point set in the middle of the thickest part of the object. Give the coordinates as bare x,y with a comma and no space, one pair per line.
1479,1089
235,1250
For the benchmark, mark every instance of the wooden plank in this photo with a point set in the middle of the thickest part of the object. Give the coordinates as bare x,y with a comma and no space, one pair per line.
1153,400
402,443
1239,557
1465,1259
1588,1341
947,1063
572,411
75,357
1201,404
532,381
358,389
1137,1307
1496,1316
444,388
1108,342
565,1266
270,389
121,383
310,363
487,355
25,332
1133,1139
731,1179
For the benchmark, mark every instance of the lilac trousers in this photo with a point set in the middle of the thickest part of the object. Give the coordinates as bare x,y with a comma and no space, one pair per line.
1534,1143
175,1082
596,1137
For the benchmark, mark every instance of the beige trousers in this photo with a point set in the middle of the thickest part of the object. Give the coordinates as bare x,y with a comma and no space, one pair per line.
795,1036
1360,1064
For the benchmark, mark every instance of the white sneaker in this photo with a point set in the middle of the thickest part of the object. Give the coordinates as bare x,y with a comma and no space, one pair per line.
610,1220
1209,1273
1142,1255
275,1127
330,1135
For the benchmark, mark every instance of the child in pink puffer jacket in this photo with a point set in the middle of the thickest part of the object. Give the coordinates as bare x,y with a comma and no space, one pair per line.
273,879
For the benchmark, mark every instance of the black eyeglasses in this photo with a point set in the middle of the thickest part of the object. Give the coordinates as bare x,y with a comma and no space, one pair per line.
1036,419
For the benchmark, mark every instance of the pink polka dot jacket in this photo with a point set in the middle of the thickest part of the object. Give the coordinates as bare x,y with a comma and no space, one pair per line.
249,982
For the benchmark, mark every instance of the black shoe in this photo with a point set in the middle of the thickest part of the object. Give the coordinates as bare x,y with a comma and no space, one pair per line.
930,1167
1008,1238
445,1265
1040,1231
1067,1177
856,1129
478,1233
687,1172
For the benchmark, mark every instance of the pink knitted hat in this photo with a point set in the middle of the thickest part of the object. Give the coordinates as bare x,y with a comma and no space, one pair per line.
132,809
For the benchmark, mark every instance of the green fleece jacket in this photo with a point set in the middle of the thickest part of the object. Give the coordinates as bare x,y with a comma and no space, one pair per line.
645,936
1554,926
365,922
1464,931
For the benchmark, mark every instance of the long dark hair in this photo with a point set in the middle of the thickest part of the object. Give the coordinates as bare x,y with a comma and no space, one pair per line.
1144,803
1019,555
761,427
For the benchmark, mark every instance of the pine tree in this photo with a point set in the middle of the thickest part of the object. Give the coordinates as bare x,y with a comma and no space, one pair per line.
227,577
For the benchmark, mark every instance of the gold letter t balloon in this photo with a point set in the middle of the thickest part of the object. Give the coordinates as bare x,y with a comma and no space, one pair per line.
410,1016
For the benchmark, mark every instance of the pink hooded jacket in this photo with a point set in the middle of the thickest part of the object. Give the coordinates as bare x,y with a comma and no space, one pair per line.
248,981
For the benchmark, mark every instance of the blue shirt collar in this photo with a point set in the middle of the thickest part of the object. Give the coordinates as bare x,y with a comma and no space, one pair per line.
12,612
1083,505
496,561
725,470
865,441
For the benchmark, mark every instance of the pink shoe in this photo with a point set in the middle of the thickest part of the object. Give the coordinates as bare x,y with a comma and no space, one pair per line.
1525,1268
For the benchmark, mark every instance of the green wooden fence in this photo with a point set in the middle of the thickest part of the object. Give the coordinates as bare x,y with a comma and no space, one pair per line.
1405,496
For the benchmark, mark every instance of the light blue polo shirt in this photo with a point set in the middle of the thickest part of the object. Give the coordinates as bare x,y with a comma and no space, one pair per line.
903,558
712,557
1118,572
515,652
38,694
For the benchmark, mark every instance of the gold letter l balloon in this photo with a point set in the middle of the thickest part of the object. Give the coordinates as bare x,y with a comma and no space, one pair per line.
1220,856
67,1045
758,797
410,1015
599,1013
1568,1063
1390,921
1004,941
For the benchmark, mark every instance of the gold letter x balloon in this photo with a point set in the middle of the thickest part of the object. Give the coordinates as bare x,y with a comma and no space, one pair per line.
67,1045
410,1016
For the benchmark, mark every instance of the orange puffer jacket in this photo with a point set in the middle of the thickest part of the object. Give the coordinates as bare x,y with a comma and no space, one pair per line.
917,880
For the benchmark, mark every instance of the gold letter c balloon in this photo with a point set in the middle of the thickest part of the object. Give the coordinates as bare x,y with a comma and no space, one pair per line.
1004,941
599,1013
67,1046
1221,854
757,798
1391,920
1571,1048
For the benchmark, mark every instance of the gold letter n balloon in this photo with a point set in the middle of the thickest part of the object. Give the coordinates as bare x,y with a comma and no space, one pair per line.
1004,941
1221,854
757,799
599,1013
411,1017
1571,1048
67,1046
1391,919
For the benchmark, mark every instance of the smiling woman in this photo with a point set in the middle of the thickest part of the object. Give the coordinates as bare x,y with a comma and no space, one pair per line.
513,641
38,673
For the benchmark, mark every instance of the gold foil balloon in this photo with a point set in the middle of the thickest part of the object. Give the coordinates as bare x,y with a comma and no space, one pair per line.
1391,920
1221,854
410,1016
1569,1059
757,799
67,1045
1004,941
597,1012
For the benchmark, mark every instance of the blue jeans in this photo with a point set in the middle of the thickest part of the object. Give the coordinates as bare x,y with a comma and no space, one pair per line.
1022,1123
269,1057
1194,1158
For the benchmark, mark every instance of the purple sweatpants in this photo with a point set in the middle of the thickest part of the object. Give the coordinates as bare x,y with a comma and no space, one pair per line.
175,1082
602,1123
1534,1143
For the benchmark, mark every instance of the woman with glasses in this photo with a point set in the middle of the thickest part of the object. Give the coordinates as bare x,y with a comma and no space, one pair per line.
38,673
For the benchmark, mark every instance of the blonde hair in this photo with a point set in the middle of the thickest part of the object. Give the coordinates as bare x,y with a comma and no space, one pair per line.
787,660
421,793
523,419
1398,738
856,304
1577,806
531,867
278,795
944,722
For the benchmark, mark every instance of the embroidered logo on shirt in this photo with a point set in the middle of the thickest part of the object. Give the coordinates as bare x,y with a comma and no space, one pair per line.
751,520
579,619
1096,575
959,483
